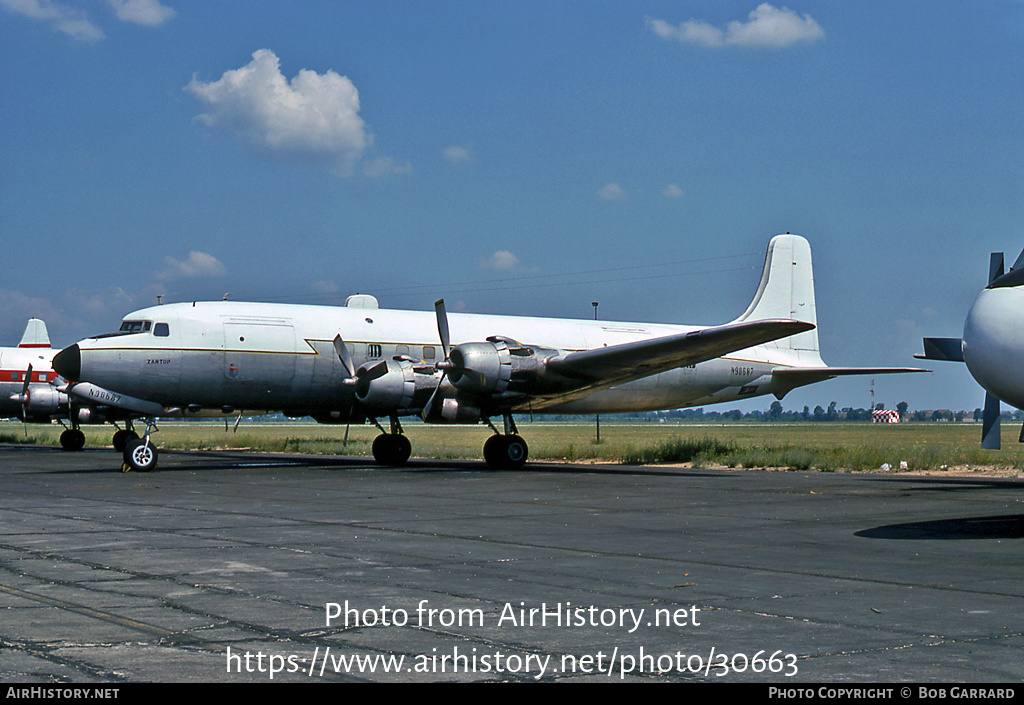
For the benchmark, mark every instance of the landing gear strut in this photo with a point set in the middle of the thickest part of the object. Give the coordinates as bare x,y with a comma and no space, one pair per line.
506,451
72,438
392,448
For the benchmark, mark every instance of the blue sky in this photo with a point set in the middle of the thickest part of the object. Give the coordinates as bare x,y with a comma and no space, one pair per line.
517,157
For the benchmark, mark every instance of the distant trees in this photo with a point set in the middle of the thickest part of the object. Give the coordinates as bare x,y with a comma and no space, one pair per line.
777,413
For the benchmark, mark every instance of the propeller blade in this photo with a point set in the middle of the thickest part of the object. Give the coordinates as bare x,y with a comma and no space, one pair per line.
445,336
990,423
345,355
437,397
24,393
995,266
442,327
28,379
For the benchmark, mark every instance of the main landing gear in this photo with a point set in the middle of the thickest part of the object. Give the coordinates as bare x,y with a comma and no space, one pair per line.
502,451
72,439
392,448
506,451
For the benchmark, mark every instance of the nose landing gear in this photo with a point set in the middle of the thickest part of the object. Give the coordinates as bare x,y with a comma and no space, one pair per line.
140,454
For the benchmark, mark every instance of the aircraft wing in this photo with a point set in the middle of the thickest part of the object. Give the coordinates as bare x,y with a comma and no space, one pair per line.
784,380
600,368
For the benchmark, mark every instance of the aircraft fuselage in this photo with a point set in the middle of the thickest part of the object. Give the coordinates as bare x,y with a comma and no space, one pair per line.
278,357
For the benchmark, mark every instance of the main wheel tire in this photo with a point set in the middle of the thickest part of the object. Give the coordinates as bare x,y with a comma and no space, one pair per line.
516,452
494,450
121,439
72,439
140,455
392,449
506,452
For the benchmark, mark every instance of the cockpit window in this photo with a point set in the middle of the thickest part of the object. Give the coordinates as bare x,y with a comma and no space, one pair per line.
161,330
128,328
135,326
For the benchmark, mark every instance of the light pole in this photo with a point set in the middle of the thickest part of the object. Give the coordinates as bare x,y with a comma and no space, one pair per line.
597,417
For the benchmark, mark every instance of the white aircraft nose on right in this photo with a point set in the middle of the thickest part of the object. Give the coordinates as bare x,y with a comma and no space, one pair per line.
993,343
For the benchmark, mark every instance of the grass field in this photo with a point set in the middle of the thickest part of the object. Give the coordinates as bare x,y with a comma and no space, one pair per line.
840,447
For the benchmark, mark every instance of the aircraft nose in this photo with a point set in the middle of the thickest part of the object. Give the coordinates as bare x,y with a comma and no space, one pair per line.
994,343
68,363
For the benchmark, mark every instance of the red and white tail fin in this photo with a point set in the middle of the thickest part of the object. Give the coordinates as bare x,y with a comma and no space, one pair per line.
35,335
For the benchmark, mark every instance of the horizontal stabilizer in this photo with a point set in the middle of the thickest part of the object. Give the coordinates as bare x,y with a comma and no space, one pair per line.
608,366
946,349
786,380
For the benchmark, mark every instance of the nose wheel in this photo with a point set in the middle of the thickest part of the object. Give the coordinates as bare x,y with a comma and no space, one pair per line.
139,453
139,456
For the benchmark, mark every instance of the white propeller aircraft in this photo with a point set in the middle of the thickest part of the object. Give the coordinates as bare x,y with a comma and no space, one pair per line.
348,364
33,392
27,376
992,345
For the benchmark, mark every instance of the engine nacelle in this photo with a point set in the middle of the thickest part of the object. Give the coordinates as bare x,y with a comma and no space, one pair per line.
393,384
43,400
481,367
497,366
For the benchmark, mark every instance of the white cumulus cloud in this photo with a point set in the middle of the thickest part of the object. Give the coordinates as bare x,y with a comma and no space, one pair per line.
672,191
612,192
149,13
456,154
198,264
74,22
767,27
61,18
502,260
313,118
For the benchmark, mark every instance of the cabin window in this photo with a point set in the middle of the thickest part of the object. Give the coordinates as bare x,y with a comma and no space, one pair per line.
161,330
428,352
373,350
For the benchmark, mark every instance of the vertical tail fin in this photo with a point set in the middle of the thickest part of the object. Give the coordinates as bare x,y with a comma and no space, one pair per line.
787,291
35,335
